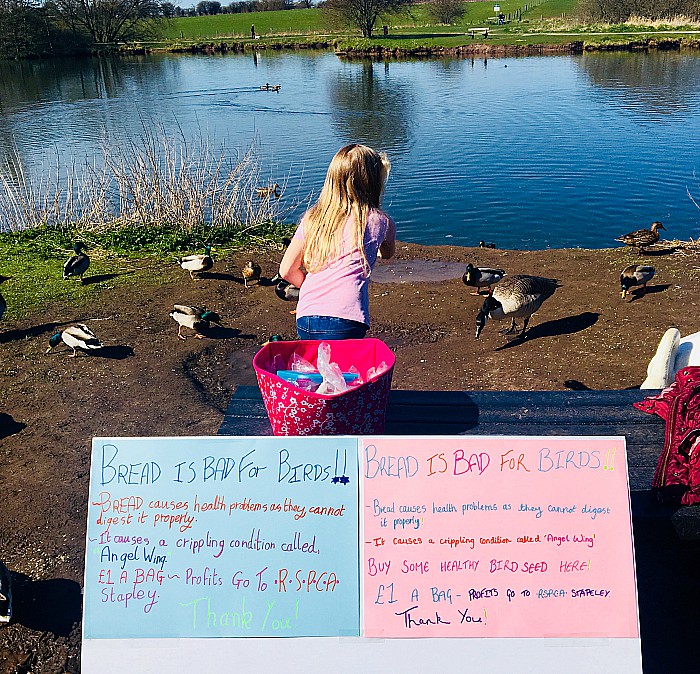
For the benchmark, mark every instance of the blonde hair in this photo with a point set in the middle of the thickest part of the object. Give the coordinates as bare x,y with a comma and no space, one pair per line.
354,184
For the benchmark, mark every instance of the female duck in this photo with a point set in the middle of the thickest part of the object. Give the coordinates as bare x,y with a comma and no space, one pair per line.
642,238
517,296
76,337
197,263
251,272
77,264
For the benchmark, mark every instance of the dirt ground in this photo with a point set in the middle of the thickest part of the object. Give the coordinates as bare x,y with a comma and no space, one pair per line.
147,382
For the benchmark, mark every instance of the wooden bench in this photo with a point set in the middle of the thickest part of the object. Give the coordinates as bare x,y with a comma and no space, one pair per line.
514,413
484,32
667,557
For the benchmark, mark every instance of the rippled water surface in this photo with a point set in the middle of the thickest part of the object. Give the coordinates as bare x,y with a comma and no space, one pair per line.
529,153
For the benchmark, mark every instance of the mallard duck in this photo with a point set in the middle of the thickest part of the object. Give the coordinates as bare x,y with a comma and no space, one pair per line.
642,237
197,263
251,272
269,191
481,277
77,264
516,296
76,337
636,275
195,318
286,291
3,304
483,244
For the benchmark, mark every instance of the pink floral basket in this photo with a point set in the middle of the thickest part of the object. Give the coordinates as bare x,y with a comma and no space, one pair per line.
361,410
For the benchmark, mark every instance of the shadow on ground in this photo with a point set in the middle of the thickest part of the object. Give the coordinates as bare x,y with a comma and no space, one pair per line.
560,326
45,605
99,278
25,333
8,426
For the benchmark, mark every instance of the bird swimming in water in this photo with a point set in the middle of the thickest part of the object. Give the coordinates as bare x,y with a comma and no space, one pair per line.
197,263
481,277
251,272
269,191
195,318
76,337
77,264
483,244
516,296
3,303
636,275
642,238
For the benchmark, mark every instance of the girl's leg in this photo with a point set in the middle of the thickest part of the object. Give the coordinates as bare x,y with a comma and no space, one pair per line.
329,327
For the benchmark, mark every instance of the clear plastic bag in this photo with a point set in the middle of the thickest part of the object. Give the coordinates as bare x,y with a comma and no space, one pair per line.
299,364
333,380
374,372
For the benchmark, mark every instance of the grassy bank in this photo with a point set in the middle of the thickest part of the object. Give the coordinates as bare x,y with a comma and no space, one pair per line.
126,255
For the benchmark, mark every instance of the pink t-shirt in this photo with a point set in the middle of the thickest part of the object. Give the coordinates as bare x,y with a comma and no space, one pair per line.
340,289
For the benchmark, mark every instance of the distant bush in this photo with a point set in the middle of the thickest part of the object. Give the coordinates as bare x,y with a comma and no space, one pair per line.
619,11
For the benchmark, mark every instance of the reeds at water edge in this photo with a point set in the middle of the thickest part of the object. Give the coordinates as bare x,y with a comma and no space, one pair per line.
155,179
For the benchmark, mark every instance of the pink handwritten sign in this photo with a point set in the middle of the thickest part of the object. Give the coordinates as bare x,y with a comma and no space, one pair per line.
497,537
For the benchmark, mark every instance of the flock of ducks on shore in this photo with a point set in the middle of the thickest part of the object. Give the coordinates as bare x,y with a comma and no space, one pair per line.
521,295
516,296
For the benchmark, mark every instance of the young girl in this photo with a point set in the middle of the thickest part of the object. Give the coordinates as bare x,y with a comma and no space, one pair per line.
336,246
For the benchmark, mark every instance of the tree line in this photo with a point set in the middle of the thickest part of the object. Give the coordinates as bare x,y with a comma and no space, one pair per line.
619,11
54,27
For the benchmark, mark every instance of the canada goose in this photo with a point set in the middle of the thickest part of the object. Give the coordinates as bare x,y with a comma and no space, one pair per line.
483,244
635,275
77,264
197,263
516,296
76,337
642,237
481,277
195,318
251,272
269,191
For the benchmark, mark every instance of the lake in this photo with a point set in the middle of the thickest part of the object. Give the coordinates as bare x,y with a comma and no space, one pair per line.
528,153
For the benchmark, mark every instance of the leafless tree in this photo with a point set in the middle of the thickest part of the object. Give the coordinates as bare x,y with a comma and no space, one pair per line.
446,11
109,21
362,13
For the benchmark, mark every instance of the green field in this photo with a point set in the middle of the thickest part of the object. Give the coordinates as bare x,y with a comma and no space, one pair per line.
312,22
529,22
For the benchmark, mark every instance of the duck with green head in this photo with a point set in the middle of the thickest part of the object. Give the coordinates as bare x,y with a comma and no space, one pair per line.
77,264
76,337
194,318
197,263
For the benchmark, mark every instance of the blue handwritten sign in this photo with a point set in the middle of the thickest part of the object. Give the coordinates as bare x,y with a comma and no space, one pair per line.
222,537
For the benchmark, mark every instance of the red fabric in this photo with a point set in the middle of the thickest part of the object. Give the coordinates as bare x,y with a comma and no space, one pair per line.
677,476
361,410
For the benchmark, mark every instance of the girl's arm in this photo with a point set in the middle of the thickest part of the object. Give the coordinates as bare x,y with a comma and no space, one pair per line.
388,246
291,265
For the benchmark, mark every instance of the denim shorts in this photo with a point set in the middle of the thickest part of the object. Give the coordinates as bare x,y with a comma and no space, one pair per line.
329,327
